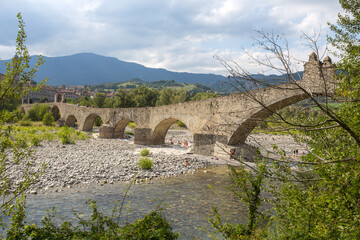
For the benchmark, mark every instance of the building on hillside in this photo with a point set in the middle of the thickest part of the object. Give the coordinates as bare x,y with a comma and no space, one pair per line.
46,91
71,94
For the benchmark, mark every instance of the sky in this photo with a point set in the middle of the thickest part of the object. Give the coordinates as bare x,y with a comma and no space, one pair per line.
178,35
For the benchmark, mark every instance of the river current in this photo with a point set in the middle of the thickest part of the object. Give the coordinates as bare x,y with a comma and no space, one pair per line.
188,200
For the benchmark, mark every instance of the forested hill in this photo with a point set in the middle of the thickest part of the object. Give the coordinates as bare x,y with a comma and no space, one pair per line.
158,85
89,68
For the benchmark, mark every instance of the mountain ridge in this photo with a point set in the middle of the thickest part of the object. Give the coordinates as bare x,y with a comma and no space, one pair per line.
90,68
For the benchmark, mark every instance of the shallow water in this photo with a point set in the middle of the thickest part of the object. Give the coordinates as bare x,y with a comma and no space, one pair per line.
187,204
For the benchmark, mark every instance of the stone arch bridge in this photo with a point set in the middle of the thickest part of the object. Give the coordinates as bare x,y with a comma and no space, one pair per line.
228,120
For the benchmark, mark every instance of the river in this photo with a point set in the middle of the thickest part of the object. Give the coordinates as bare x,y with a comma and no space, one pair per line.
187,205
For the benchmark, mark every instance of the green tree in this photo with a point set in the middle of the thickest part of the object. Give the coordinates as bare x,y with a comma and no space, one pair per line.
181,95
48,119
317,197
85,101
123,99
144,96
203,95
99,99
14,151
166,97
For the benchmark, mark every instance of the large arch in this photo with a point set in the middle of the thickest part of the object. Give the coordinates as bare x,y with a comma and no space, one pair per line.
120,128
159,134
71,121
56,112
89,122
244,129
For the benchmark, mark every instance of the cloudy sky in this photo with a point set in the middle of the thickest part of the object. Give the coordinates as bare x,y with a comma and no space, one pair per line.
179,35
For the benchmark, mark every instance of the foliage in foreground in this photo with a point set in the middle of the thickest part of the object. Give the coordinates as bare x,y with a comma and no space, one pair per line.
15,151
100,226
316,197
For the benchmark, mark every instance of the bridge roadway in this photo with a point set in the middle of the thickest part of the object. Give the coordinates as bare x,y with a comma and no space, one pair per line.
227,120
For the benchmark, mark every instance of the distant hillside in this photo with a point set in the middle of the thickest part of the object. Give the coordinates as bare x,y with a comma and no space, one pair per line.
89,68
192,89
93,69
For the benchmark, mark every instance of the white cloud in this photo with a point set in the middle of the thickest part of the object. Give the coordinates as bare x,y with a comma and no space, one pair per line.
176,35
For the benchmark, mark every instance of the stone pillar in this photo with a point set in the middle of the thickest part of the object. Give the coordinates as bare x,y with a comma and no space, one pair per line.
142,136
106,131
61,122
204,143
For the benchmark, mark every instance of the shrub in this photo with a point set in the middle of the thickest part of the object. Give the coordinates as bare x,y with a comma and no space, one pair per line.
25,123
65,135
48,119
132,125
98,122
35,140
129,133
144,152
180,124
145,163
37,112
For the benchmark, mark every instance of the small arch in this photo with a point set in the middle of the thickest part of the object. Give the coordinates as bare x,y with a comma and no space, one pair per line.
56,113
244,129
159,134
120,127
71,121
89,122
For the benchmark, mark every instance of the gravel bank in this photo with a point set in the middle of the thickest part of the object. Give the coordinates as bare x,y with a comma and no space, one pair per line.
106,161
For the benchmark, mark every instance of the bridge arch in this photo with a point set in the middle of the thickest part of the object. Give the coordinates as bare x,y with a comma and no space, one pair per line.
71,121
55,112
89,122
120,128
159,133
244,129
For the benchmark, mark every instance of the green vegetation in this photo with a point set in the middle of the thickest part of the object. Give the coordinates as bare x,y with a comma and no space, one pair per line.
98,122
14,150
144,152
137,93
317,196
247,186
48,119
145,163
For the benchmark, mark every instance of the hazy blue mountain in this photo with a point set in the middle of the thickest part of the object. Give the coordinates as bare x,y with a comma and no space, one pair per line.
93,69
89,68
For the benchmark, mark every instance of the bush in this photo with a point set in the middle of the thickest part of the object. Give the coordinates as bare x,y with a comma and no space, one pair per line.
144,152
65,135
145,163
48,119
25,123
132,125
99,226
98,122
180,124
35,140
37,112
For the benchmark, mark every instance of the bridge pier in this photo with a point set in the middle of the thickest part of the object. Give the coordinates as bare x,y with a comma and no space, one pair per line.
204,143
142,136
60,122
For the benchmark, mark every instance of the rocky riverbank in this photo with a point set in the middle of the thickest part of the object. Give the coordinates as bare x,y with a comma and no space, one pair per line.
105,161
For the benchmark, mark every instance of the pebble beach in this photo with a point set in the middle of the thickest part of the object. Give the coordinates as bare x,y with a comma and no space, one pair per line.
106,161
